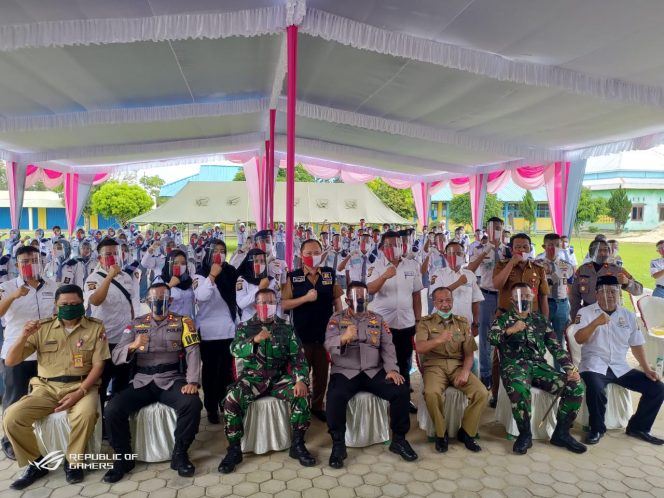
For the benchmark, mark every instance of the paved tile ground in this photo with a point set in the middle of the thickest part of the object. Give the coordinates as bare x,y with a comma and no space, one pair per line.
619,466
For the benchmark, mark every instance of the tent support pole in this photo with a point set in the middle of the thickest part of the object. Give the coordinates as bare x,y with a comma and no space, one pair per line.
291,32
271,177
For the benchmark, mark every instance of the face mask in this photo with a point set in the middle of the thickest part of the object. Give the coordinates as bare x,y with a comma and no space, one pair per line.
312,261
358,305
29,271
523,304
392,253
218,258
550,252
59,254
266,247
608,298
79,236
363,247
71,311
440,245
158,307
444,314
193,241
453,261
266,312
179,270
108,261
260,270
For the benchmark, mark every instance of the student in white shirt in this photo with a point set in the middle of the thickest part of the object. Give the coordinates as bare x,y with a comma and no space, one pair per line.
657,271
177,274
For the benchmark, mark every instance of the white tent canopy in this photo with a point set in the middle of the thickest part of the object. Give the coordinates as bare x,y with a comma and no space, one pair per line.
205,202
417,89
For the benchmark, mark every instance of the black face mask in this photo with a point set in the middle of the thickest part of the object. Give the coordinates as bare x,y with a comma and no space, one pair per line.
159,307
361,305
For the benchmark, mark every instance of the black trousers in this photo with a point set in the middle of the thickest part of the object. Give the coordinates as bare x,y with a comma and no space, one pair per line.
217,372
17,382
187,406
652,396
118,374
403,345
340,390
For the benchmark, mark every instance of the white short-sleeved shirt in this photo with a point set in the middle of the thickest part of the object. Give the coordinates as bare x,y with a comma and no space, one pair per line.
214,320
436,261
655,266
355,264
115,311
493,255
394,301
464,296
607,347
38,304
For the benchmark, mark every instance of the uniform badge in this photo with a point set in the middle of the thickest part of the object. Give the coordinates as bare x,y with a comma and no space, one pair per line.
238,285
370,271
137,274
298,280
326,275
189,334
373,321
577,320
621,321
92,285
175,345
67,280
195,284
583,289
78,360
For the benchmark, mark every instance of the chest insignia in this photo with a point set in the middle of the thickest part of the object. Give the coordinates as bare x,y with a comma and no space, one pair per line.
298,280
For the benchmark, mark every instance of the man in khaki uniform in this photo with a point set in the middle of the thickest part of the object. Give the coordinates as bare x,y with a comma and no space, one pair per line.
447,347
71,351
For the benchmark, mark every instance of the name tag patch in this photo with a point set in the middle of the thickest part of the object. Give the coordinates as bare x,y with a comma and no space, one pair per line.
298,280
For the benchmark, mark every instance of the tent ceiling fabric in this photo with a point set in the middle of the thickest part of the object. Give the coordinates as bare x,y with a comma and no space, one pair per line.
208,202
418,89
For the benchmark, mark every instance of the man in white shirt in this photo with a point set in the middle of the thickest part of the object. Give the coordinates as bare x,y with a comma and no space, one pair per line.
462,283
27,297
606,331
395,284
657,271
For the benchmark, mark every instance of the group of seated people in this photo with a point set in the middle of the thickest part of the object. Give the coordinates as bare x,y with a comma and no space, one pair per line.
298,342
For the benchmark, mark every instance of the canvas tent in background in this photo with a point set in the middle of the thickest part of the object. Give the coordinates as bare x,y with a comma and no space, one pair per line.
227,202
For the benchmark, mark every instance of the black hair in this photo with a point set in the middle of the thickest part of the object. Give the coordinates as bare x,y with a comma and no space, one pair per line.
310,241
495,219
438,289
520,236
594,245
453,242
660,242
267,290
26,250
551,236
390,234
56,226
68,289
159,285
107,242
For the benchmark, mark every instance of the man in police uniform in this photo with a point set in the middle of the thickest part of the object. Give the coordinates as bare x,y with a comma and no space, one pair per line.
607,331
272,364
447,346
522,338
71,351
583,289
165,352
110,294
313,295
27,297
518,268
363,359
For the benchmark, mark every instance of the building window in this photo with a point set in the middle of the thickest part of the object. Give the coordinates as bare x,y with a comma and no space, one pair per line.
637,213
661,212
543,210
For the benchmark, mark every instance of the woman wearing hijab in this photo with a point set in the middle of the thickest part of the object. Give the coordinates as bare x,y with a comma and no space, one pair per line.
176,273
252,276
214,288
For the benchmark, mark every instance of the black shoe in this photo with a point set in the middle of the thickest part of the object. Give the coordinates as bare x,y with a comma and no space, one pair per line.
7,449
441,443
213,418
73,476
320,415
562,438
339,453
593,437
645,436
231,460
30,475
299,451
180,461
403,449
468,440
120,468
493,402
522,443
413,408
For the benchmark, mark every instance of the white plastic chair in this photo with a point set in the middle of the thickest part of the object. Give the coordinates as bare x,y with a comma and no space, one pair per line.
540,402
367,420
619,400
153,432
651,310
52,433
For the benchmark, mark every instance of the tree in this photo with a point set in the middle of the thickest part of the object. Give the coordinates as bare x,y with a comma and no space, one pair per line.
528,209
398,200
589,209
152,185
461,213
620,208
120,201
301,175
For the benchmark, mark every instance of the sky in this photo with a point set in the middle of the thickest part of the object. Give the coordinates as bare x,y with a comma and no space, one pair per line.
169,173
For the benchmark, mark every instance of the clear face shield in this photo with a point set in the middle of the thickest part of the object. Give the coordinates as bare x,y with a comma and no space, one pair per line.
455,257
265,244
599,253
29,265
217,256
494,232
266,308
522,299
111,256
440,243
357,299
392,249
159,304
258,265
608,297
177,267
365,245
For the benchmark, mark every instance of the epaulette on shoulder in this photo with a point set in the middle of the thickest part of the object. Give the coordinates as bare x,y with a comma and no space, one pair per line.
428,317
71,262
44,321
94,320
461,318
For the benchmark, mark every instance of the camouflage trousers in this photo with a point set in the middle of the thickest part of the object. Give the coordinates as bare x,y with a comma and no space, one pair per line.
250,387
519,377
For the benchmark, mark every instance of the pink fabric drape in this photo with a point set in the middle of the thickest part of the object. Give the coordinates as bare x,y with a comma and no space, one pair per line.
291,101
529,177
478,189
349,177
555,181
253,186
397,183
422,202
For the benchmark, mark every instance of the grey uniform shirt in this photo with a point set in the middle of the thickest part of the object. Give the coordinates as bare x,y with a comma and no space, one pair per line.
168,340
372,350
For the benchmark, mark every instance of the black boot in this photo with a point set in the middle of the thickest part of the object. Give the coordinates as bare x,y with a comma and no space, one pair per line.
30,475
339,453
561,437
120,468
232,458
299,451
73,475
441,443
180,461
523,441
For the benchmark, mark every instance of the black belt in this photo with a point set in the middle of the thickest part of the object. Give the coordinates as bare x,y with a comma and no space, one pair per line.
64,378
158,369
493,293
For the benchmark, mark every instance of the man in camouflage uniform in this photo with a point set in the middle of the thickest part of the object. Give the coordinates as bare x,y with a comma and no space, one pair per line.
265,347
582,292
522,338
